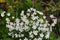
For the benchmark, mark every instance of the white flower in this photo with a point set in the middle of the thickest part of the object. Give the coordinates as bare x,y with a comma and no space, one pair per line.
20,39
54,21
37,23
21,23
17,20
41,25
12,35
19,35
22,13
43,29
52,16
35,32
26,22
28,14
41,35
44,17
34,13
10,29
30,33
39,38
7,19
25,38
13,17
53,24
35,39
22,35
34,10
51,28
34,17
21,29
17,24
29,39
24,18
16,35
2,14
31,36
47,35
28,10
26,27
41,20
11,23
39,28
39,12
8,14
17,28
34,27
31,9
45,25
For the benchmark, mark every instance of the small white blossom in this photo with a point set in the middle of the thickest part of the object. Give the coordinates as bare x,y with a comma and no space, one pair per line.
51,28
35,32
20,39
34,13
34,27
9,33
45,25
19,35
7,19
47,35
2,14
12,35
21,29
31,36
39,12
31,9
28,10
22,13
22,35
13,17
21,23
34,10
39,38
41,20
52,16
41,35
25,38
35,39
30,33
44,17
8,14
11,23
55,21
39,29
53,24
17,20
28,14
16,35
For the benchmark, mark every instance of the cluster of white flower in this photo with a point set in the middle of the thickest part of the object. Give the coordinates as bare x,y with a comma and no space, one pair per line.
30,26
